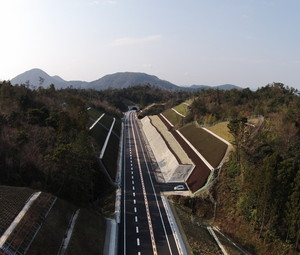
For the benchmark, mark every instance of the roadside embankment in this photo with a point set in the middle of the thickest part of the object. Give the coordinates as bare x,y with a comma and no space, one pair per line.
171,169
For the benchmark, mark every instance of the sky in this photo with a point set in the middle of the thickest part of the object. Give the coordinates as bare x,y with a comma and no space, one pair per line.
249,43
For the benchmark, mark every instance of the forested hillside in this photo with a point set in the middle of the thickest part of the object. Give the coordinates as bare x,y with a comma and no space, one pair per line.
258,192
45,139
45,143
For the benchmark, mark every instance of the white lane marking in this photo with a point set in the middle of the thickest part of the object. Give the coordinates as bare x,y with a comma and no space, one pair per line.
132,177
135,209
131,172
138,241
139,253
135,218
124,180
133,194
137,229
132,182
154,191
133,188
134,201
144,193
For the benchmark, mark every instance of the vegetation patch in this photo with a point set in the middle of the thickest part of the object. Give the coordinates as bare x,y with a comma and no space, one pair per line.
221,129
51,234
99,133
88,235
182,108
173,117
210,147
94,114
110,157
199,239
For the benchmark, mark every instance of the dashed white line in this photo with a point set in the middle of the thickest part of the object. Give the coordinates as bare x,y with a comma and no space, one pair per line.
137,229
138,241
135,218
133,188
134,201
135,210
132,182
133,194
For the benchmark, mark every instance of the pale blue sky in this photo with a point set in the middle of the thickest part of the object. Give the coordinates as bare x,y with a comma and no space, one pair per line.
249,43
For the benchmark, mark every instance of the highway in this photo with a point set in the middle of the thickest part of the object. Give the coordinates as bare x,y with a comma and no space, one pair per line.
144,227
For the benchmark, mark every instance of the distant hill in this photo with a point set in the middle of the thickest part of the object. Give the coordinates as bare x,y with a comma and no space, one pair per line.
37,77
127,79
221,87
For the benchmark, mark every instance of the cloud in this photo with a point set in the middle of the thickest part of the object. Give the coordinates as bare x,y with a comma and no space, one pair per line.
134,40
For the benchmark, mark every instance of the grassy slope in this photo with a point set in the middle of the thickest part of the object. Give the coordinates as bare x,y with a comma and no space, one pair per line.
210,147
173,117
94,115
50,236
199,238
181,108
12,200
89,234
222,130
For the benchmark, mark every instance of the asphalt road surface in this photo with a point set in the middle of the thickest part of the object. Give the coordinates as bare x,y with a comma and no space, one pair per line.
144,227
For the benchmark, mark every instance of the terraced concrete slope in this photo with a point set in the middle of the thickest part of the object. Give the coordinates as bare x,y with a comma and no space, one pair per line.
200,174
42,226
171,169
208,145
106,130
170,140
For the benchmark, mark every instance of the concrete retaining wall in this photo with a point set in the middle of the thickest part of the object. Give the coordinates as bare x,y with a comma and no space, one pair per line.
172,171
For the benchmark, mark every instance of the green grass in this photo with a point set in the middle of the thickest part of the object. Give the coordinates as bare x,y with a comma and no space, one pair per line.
106,121
173,117
94,115
12,200
99,133
51,234
182,108
222,130
110,157
89,234
210,147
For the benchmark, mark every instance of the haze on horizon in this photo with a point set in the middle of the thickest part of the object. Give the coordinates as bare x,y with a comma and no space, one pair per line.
248,43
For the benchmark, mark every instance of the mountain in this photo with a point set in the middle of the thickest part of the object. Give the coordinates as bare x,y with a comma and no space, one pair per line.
127,79
37,77
220,87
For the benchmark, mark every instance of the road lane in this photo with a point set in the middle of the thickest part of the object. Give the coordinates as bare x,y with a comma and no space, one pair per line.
145,228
